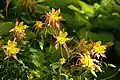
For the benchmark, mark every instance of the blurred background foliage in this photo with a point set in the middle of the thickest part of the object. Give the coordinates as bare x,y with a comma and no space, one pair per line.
99,18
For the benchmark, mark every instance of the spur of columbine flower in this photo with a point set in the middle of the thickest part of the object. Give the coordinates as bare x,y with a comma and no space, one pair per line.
89,63
11,50
61,40
19,31
53,18
38,25
99,50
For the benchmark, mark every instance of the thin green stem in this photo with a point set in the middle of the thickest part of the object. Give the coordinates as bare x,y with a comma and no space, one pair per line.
61,51
82,74
8,62
79,78
60,67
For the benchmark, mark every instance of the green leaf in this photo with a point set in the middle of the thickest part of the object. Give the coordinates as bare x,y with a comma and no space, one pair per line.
36,63
37,57
66,76
117,48
25,42
109,74
71,79
39,1
1,16
59,3
54,66
5,27
103,36
86,78
41,45
112,65
16,2
96,6
93,73
30,34
27,20
111,5
41,9
107,22
74,8
33,50
75,21
85,7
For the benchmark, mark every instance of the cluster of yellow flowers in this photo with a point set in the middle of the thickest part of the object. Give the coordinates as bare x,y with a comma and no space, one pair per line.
89,54
19,33
52,20
88,51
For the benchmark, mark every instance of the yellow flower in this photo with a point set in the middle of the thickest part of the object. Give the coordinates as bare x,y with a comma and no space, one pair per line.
53,18
61,41
20,28
62,61
62,38
19,31
87,61
38,24
11,44
11,49
99,49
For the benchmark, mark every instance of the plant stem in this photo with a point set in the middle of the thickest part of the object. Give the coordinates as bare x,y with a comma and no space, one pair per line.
83,74
61,51
60,67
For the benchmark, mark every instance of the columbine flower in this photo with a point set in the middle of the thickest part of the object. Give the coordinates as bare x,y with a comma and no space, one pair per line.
87,61
61,39
38,24
19,31
99,49
20,28
53,18
62,61
11,49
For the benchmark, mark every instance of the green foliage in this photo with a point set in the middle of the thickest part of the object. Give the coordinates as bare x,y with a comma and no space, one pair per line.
38,58
5,27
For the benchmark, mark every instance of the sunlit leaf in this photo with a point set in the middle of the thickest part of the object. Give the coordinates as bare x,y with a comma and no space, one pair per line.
5,27
93,73
112,65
